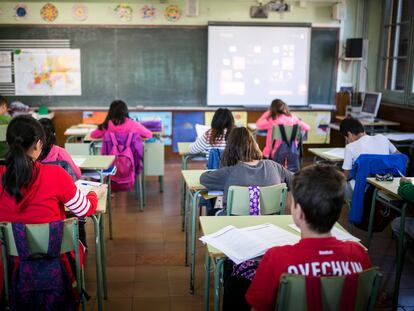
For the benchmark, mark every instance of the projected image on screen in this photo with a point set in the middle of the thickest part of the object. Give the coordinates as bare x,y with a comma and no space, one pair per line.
251,66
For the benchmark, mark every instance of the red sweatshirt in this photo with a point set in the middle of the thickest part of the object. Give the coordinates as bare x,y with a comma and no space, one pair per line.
45,199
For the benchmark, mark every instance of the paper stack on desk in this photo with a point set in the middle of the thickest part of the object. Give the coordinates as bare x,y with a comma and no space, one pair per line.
250,242
85,185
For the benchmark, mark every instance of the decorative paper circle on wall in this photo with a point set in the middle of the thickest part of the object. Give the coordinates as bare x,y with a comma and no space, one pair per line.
79,12
148,12
172,13
49,12
124,12
20,11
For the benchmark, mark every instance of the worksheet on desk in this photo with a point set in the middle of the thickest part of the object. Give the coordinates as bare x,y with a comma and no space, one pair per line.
336,152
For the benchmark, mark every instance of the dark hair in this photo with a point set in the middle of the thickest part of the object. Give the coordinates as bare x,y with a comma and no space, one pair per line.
222,119
117,113
319,189
3,101
240,146
22,133
278,107
50,138
351,125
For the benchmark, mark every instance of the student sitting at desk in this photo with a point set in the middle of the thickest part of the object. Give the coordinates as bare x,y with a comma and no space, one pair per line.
318,193
406,192
358,142
51,152
278,114
216,137
242,165
118,120
4,119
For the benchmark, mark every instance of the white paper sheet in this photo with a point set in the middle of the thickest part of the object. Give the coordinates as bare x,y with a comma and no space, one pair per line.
215,192
336,152
85,185
201,129
5,59
272,235
337,233
78,161
77,131
238,246
250,242
5,75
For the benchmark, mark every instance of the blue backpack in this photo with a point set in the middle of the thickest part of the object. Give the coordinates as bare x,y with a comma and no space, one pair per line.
41,281
287,154
214,157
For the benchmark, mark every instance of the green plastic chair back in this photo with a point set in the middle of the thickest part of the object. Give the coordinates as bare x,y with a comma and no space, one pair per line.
38,241
288,129
79,148
292,291
3,130
272,200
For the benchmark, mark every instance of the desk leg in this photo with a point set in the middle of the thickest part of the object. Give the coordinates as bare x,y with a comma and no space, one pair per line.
193,240
400,258
371,217
187,224
103,256
207,282
96,219
109,208
218,274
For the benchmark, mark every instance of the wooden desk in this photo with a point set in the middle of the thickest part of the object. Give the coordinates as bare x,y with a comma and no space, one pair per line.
78,131
320,153
97,163
370,125
256,132
194,189
211,224
391,189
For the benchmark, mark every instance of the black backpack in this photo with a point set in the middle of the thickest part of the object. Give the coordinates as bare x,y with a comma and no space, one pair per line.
287,154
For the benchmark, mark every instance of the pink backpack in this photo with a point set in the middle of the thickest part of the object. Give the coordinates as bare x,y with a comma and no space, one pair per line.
124,178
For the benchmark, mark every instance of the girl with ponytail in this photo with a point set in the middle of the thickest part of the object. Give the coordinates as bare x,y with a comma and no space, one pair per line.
31,192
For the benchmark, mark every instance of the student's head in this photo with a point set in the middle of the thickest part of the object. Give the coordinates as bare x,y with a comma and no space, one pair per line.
25,138
117,113
277,108
240,146
318,196
351,129
4,105
50,138
222,119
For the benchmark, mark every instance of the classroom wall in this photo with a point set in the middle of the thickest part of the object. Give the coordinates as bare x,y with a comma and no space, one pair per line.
99,13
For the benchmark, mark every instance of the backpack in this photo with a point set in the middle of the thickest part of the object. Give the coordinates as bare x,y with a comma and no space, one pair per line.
66,166
287,154
40,281
214,156
124,178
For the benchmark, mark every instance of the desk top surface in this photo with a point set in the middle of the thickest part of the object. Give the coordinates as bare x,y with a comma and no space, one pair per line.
192,179
211,224
321,152
183,148
94,162
389,187
376,122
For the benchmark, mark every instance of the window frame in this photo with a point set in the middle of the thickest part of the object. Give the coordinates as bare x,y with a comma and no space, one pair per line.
405,97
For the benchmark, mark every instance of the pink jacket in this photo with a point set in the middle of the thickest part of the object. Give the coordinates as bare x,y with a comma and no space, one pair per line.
266,123
128,126
57,153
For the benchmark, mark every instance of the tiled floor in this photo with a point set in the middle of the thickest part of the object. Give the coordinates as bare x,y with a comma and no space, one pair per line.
145,260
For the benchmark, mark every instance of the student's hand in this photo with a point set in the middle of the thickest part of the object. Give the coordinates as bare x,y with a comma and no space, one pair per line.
403,180
100,190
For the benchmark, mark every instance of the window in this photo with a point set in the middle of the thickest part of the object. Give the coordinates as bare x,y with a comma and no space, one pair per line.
396,62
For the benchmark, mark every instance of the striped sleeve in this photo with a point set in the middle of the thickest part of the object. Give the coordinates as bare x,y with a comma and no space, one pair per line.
200,145
80,205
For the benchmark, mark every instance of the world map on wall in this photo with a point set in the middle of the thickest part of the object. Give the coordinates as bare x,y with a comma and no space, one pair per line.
48,72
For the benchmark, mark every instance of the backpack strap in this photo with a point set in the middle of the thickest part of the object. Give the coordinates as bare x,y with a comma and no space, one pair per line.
254,200
283,134
129,139
294,133
349,292
113,139
55,238
313,293
20,240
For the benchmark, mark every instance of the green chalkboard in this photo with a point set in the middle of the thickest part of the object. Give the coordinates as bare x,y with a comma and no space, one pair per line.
157,66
